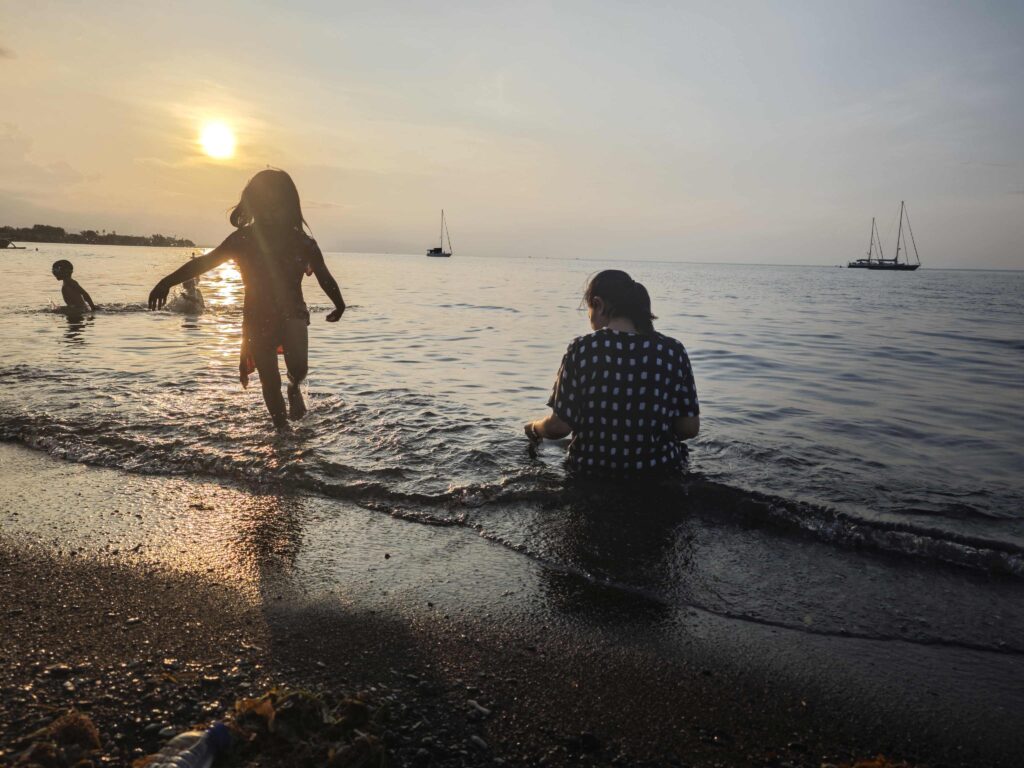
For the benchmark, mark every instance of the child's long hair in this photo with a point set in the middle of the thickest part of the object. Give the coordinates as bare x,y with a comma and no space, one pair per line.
622,297
270,197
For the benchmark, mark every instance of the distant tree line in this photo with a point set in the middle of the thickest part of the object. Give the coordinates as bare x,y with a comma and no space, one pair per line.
44,233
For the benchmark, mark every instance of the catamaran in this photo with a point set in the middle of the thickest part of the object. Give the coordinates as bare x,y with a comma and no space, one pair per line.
440,251
879,261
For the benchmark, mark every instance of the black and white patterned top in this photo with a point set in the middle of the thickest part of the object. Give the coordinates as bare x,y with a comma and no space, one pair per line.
621,392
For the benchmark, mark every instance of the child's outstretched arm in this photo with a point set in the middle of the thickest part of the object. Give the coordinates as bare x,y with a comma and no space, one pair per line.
190,269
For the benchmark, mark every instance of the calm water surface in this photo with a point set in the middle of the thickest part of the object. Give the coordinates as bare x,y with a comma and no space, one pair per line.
880,414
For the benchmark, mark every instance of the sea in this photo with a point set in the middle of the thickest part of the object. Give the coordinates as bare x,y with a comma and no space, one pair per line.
859,470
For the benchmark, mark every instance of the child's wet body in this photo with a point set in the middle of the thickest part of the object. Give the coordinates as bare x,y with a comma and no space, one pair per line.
75,296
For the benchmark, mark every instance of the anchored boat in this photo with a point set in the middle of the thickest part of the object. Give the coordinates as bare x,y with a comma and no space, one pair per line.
440,252
894,264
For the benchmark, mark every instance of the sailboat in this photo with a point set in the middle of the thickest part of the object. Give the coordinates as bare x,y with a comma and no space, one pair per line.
440,252
893,264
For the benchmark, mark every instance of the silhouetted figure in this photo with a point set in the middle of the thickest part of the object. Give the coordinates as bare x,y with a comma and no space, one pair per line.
75,296
273,253
625,392
190,301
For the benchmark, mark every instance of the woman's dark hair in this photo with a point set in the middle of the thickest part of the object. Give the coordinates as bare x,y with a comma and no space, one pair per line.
269,197
622,297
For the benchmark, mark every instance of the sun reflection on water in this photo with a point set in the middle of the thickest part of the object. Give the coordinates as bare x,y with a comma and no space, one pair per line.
227,284
225,291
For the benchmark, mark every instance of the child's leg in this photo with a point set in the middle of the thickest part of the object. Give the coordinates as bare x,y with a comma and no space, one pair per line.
265,357
296,360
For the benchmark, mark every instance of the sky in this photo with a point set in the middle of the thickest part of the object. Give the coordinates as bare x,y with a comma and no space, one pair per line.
764,132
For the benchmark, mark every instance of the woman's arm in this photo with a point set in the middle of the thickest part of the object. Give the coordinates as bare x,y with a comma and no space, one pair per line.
550,427
555,426
686,427
193,268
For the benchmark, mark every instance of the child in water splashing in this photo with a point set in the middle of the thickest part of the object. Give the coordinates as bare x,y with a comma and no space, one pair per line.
273,253
190,301
75,296
191,293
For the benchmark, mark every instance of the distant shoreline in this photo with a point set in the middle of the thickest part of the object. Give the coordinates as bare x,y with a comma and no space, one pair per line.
45,233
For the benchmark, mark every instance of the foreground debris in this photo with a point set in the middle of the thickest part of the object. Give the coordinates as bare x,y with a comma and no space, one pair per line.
282,726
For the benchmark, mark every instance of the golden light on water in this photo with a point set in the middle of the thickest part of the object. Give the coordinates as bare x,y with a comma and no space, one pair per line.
217,140
227,284
228,271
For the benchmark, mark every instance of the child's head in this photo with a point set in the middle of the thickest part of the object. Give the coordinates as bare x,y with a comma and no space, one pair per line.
613,293
270,197
62,269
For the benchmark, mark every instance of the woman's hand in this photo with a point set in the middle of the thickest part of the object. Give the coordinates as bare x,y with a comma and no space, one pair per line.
158,296
530,428
335,316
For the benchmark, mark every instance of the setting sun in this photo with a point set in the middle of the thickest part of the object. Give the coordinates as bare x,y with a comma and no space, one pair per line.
217,140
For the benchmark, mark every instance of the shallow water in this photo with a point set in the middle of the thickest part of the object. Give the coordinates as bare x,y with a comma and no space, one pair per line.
851,422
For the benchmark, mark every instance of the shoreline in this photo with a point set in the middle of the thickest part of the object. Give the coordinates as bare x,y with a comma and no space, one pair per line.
594,683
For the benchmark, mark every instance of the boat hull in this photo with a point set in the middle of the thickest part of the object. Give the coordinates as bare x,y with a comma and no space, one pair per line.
884,267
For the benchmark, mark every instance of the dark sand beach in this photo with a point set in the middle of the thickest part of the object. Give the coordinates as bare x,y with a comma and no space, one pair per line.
104,617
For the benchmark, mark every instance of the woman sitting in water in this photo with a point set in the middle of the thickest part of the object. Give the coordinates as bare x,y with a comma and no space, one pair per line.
272,253
625,392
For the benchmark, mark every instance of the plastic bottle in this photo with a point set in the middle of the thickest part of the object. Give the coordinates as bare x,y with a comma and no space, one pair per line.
193,749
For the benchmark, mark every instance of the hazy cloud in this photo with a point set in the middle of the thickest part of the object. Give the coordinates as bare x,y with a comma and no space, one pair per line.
322,205
741,132
6,53
21,173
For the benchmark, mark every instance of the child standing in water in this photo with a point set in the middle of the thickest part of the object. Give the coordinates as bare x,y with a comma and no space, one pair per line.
75,296
272,253
625,392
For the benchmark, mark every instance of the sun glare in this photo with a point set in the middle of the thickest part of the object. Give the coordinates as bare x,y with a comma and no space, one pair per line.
217,140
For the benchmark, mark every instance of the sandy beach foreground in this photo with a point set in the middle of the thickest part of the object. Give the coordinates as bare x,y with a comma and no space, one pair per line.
152,603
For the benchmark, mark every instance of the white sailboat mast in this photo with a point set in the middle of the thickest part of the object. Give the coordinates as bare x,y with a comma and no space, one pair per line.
913,242
899,234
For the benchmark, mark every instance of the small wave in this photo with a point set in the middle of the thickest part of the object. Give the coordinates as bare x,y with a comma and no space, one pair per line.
1016,345
387,486
486,307
842,528
122,308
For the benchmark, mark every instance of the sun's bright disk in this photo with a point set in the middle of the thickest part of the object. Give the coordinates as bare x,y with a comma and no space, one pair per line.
217,140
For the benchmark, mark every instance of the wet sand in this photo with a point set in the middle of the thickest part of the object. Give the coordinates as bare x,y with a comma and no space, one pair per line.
101,569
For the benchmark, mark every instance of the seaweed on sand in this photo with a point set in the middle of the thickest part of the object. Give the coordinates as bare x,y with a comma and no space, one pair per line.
307,730
71,739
